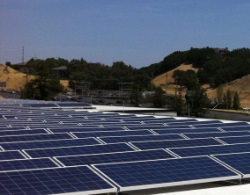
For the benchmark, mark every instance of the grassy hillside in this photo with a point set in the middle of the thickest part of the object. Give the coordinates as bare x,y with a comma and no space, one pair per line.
166,81
16,80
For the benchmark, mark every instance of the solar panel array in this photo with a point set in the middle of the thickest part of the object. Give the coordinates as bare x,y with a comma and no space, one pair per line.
45,149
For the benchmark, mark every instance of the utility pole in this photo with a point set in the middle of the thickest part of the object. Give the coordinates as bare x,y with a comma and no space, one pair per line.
23,55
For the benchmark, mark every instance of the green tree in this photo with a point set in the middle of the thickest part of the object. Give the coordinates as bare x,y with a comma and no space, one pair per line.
159,99
236,101
229,99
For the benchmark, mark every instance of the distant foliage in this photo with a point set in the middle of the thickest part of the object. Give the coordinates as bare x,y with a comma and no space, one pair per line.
216,65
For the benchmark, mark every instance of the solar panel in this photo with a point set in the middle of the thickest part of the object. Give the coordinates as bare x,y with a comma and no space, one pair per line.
221,125
163,173
175,143
29,137
115,139
54,181
8,165
239,161
111,133
114,157
77,150
22,132
207,150
8,155
49,144
237,128
236,139
216,134
185,130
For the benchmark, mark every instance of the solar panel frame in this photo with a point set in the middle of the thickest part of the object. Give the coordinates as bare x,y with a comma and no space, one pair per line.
130,176
241,128
11,154
143,145
185,130
238,161
23,132
235,139
216,134
30,137
111,133
115,139
80,179
76,150
50,143
210,150
127,156
23,164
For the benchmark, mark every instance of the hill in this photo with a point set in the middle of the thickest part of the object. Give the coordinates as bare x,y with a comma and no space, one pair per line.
241,85
16,80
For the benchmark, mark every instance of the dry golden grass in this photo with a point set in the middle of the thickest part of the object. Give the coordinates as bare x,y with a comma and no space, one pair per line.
166,80
242,85
16,80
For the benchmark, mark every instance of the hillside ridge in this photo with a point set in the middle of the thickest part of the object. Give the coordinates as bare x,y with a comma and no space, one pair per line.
241,85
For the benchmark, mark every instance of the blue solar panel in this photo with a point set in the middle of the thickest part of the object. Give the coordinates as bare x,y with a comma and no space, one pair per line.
175,143
20,138
112,133
115,157
185,130
221,125
22,132
8,155
20,164
54,181
238,161
194,123
207,150
140,138
216,134
143,126
78,150
171,172
236,139
237,128
49,144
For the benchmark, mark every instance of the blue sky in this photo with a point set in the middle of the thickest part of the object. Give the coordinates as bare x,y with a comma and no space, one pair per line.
137,32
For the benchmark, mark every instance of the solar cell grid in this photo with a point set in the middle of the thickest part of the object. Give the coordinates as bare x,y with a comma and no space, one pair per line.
114,157
111,133
237,128
77,150
221,125
143,126
175,143
167,130
49,144
84,129
30,137
22,132
236,139
53,181
239,161
216,134
13,165
115,139
208,150
171,172
8,155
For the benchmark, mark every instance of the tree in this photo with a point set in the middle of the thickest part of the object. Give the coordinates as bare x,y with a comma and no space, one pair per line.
159,99
229,99
236,101
8,63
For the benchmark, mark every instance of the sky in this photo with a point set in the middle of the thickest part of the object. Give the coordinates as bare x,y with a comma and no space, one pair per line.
137,32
